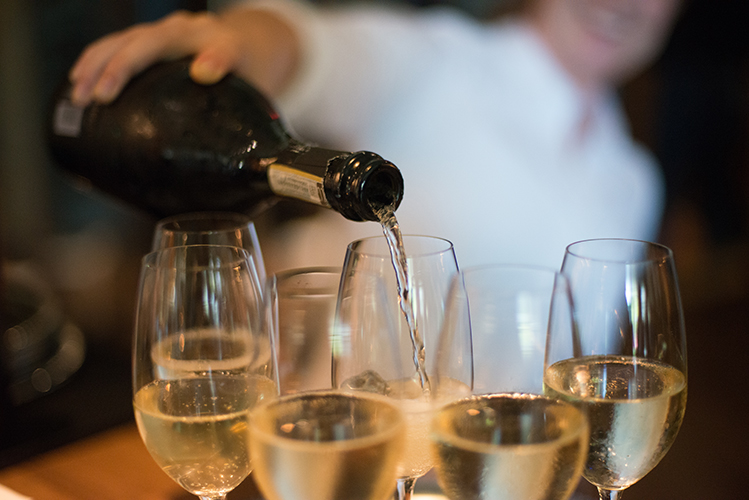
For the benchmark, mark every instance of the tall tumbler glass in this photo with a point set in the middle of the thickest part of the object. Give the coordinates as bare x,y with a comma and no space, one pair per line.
301,306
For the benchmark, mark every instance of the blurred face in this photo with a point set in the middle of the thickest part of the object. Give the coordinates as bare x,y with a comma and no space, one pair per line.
603,42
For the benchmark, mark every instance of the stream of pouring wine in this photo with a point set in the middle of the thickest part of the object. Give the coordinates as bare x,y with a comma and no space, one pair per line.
394,239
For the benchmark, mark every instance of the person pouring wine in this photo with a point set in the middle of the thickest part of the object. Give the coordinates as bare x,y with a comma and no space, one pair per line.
507,131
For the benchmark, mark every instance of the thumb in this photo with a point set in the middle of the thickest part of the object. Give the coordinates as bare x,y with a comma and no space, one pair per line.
209,67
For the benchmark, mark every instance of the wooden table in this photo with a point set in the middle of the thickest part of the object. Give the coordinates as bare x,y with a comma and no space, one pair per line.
114,465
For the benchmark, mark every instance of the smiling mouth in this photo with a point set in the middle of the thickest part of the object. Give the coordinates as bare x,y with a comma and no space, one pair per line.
611,22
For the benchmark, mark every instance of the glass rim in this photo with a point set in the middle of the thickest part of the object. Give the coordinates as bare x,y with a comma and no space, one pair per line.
532,276
665,253
281,281
151,258
351,248
510,267
238,219
299,271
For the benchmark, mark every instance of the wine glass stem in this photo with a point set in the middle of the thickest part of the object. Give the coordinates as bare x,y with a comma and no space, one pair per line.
405,488
221,497
609,494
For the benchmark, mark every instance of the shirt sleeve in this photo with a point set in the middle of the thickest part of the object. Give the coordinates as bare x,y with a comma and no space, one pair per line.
357,60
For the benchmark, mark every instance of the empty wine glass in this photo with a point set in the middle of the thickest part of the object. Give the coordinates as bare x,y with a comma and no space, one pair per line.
626,363
301,305
385,323
210,228
326,445
508,441
201,362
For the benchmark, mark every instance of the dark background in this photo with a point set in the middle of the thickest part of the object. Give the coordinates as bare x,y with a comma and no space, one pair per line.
691,108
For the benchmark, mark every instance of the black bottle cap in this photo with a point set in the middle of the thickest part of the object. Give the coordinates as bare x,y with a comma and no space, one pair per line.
361,184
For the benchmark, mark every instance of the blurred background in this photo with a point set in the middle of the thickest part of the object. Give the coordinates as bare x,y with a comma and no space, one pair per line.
70,255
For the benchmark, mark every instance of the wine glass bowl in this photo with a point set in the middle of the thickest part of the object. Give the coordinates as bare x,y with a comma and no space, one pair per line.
201,361
389,314
625,364
508,310
509,440
326,445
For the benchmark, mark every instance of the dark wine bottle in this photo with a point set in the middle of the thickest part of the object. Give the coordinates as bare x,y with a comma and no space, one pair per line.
169,145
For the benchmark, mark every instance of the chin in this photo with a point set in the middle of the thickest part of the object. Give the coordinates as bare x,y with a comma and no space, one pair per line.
613,62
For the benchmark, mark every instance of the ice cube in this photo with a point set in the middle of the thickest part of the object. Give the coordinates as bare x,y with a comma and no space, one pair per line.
369,381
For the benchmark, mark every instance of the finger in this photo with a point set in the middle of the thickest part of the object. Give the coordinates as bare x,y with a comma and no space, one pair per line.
95,55
147,45
177,36
89,67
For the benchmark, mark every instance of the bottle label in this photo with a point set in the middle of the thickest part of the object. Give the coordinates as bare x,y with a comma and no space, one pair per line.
67,119
286,181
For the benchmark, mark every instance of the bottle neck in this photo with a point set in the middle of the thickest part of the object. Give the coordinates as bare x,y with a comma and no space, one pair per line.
357,185
299,172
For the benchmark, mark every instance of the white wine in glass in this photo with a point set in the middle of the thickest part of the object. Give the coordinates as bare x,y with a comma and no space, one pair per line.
326,445
509,441
635,405
626,363
509,446
201,362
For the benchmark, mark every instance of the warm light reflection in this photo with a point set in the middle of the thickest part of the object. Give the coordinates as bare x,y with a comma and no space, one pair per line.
139,124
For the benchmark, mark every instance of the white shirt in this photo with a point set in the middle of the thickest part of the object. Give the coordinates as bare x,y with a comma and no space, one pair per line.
485,127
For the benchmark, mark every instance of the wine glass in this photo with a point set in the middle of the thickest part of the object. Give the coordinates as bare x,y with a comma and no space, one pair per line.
626,363
385,323
301,306
508,441
326,445
201,361
210,228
